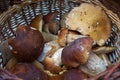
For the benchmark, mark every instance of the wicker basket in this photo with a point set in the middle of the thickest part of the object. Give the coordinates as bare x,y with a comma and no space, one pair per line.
22,14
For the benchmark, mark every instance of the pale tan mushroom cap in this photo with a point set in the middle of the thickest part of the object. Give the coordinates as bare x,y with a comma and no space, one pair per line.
90,20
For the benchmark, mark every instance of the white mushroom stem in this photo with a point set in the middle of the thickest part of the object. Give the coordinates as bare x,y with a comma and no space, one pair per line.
49,37
57,57
49,49
94,65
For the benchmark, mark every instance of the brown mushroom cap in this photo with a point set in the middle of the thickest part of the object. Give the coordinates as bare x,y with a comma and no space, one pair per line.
50,17
6,75
37,22
73,74
28,71
50,23
89,19
77,52
27,45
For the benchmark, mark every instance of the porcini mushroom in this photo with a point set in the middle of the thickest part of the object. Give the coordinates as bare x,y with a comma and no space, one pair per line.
27,45
50,23
28,71
91,20
77,52
66,36
53,63
49,49
74,74
6,75
37,23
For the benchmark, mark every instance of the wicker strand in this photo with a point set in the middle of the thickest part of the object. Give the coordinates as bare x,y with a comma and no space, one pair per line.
12,10
5,15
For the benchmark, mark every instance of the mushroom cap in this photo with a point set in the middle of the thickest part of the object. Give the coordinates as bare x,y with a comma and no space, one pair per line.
89,19
77,52
27,45
50,17
66,36
28,71
73,74
37,22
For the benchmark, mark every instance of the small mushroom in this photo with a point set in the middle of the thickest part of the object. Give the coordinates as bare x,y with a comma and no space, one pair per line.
50,17
37,23
53,63
74,74
27,45
51,27
50,23
103,49
49,49
91,20
66,36
77,52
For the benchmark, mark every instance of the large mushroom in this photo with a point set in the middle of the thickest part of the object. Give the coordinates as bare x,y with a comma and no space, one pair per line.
6,75
91,20
28,71
27,45
77,52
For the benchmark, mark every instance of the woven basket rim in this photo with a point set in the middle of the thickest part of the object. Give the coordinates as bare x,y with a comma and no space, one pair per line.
16,8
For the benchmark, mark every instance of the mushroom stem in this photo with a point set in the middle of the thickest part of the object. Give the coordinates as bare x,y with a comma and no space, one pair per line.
49,37
103,49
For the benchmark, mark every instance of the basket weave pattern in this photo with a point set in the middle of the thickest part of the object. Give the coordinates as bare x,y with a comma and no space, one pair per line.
22,14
